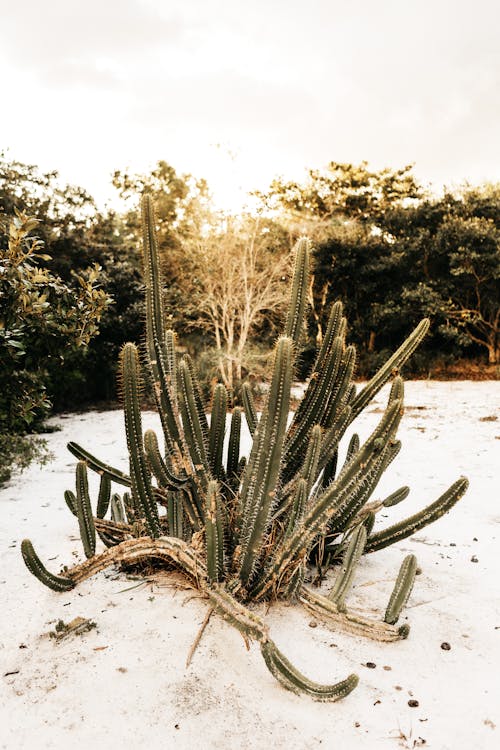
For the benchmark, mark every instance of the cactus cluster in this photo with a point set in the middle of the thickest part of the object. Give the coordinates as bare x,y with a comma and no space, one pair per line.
248,529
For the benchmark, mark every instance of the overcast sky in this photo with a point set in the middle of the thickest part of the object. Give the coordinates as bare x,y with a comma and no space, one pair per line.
238,92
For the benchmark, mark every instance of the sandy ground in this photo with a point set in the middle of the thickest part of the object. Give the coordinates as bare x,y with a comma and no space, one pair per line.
125,684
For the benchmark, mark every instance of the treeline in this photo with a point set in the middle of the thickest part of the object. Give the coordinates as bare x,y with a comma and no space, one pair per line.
392,252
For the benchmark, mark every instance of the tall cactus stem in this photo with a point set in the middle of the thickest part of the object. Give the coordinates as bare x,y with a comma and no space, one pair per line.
84,510
104,496
298,300
290,677
118,514
217,430
214,533
249,407
414,523
70,500
233,448
142,491
38,569
193,427
262,494
394,363
98,466
402,589
351,558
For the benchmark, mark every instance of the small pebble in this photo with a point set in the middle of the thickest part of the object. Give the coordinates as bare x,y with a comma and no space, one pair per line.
474,559
397,687
370,665
446,646
452,544
357,724
413,703
313,624
387,669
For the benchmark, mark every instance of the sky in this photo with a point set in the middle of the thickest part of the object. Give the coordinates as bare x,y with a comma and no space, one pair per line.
240,92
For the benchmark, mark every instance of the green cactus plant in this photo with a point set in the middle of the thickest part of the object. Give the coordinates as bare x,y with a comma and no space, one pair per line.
247,530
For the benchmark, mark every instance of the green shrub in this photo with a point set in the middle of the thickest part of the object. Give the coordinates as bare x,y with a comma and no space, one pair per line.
42,321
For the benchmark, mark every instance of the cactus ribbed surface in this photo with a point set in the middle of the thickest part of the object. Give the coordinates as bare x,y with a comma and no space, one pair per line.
245,529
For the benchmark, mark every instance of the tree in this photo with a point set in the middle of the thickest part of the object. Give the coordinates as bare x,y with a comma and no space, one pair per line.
451,265
235,282
473,249
42,320
65,214
342,192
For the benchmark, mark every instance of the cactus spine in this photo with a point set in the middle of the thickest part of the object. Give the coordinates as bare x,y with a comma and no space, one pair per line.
247,531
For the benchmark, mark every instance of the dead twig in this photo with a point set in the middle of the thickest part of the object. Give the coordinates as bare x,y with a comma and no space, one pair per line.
196,641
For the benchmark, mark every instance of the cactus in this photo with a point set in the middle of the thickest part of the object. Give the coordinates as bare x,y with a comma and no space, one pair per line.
246,530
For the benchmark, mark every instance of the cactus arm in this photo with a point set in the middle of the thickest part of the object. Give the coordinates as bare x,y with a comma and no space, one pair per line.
84,510
70,499
249,408
329,470
335,327
160,347
233,449
298,507
104,496
309,470
396,497
351,558
158,466
350,621
414,523
310,411
130,508
369,522
290,677
142,491
217,430
154,300
249,624
38,569
296,582
352,448
393,363
197,397
98,466
329,446
402,589
175,514
214,533
118,514
171,362
340,393
298,299
195,437
132,551
262,492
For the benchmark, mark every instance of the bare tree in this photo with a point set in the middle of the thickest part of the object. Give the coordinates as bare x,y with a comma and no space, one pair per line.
237,282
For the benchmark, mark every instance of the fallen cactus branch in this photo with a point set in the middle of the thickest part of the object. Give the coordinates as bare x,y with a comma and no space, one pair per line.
247,530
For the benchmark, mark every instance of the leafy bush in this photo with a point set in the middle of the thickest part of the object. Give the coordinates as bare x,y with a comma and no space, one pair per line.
42,321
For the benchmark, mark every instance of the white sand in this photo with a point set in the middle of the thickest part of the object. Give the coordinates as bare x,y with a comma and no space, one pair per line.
125,684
